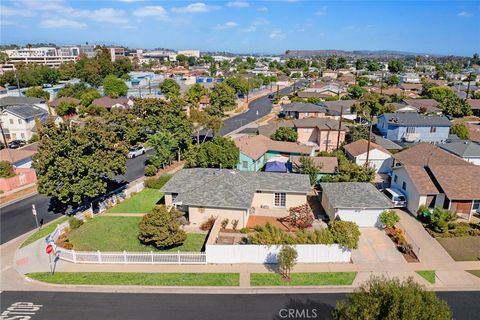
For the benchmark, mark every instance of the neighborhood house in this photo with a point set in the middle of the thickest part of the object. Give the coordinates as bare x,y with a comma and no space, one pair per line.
379,158
236,195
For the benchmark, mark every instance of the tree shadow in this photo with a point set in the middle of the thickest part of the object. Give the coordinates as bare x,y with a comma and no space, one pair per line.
308,309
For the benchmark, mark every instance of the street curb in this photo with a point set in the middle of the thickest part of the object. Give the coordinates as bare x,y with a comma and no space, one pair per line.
18,199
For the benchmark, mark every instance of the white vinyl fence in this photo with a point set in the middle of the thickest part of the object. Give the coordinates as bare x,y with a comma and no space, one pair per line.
248,253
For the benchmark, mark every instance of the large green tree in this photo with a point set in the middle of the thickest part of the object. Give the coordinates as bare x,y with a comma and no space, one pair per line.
461,130
170,88
356,133
221,152
37,92
114,87
222,98
381,298
74,164
165,145
195,92
285,134
395,66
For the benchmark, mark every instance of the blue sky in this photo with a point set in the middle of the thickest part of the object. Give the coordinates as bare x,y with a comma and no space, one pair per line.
248,26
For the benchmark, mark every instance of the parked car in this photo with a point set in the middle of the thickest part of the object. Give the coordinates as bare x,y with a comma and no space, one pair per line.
396,197
135,151
14,144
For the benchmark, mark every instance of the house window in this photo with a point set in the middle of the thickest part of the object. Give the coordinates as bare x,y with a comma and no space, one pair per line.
306,114
395,178
476,205
23,136
433,129
280,199
245,164
411,130
11,121
308,130
404,185
19,121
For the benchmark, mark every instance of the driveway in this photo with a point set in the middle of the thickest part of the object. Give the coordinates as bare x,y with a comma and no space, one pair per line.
376,247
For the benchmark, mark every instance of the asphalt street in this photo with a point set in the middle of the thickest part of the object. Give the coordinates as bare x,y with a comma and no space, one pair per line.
103,306
17,219
263,105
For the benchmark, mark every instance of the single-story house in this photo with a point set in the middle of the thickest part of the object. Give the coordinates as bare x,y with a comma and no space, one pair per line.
467,150
379,158
321,133
423,105
359,202
343,107
109,103
55,103
20,158
16,101
223,193
414,127
255,151
428,175
300,110
328,165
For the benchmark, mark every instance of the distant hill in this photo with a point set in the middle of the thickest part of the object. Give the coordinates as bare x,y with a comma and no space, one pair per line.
357,53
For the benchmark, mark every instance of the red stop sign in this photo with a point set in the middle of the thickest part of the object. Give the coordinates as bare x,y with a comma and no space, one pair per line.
49,249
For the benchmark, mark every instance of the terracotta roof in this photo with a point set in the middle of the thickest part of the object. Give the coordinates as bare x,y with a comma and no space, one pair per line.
15,155
428,104
458,182
474,103
420,177
359,147
58,101
256,146
326,164
428,154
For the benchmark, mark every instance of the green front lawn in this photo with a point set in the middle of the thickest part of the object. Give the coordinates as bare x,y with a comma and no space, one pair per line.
304,279
138,279
462,248
44,232
428,275
142,202
108,233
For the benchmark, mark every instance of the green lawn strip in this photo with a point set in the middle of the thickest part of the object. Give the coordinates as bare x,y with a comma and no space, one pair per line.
474,272
138,279
44,232
428,275
109,233
303,279
142,202
462,248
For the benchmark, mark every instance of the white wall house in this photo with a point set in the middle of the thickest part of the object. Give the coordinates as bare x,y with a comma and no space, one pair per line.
357,202
467,150
379,158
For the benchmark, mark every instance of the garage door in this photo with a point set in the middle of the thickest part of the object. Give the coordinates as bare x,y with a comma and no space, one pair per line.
364,218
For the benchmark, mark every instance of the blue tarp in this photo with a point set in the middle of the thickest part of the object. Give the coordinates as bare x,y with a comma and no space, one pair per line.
277,166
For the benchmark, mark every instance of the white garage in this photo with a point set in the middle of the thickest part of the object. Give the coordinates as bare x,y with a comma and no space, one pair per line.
359,202
379,158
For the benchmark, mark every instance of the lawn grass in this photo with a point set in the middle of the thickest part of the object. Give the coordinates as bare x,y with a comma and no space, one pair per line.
428,275
142,202
304,279
462,248
108,233
138,279
44,232
474,272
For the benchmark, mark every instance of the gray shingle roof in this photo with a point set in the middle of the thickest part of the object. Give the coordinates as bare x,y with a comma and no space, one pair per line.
27,111
334,107
303,107
224,188
362,195
464,149
416,120
11,101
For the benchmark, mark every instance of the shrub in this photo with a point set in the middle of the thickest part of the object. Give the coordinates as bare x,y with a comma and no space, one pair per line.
157,183
244,230
74,223
161,228
285,134
6,169
345,233
269,234
389,218
67,245
150,170
88,215
382,298
224,223
208,224
398,237
440,226
286,260
234,224
461,229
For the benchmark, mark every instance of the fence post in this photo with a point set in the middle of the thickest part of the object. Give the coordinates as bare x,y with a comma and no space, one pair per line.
151,254
124,256
178,256
74,256
99,256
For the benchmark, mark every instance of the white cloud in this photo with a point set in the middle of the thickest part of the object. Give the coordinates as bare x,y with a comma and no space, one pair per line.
151,11
255,23
7,23
322,11
62,23
464,14
108,15
10,11
277,35
196,7
238,4
262,9
226,25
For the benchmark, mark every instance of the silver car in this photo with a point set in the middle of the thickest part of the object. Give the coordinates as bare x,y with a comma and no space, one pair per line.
135,151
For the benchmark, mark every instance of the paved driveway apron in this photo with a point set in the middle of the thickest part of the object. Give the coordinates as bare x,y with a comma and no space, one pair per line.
376,247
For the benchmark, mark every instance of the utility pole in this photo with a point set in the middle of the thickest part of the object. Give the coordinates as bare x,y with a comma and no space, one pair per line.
369,141
294,86
381,85
468,86
149,87
339,127
278,90
18,83
248,87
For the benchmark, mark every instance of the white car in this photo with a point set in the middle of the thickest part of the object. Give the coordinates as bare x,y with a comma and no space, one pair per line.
396,197
135,151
